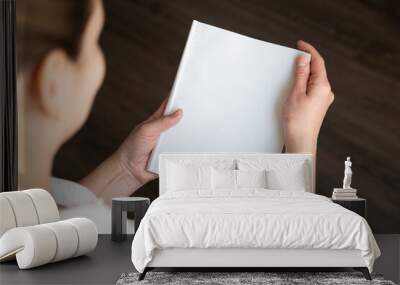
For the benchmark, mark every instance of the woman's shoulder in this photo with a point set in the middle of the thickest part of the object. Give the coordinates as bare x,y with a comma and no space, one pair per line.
68,193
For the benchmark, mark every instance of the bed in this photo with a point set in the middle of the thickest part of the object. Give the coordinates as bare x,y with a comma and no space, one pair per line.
247,210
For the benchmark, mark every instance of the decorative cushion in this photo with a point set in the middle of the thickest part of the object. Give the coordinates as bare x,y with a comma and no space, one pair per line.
188,177
291,179
223,179
282,174
251,178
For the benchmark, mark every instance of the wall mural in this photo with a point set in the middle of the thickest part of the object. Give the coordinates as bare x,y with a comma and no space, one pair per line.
143,43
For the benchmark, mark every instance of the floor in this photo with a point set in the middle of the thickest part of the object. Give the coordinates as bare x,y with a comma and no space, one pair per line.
103,266
389,262
110,260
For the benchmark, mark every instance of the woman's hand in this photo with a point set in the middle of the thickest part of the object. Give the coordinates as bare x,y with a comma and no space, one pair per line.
125,171
135,151
307,104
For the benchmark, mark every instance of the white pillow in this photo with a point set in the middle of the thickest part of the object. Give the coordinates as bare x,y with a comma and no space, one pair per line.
251,178
282,174
290,179
184,177
223,179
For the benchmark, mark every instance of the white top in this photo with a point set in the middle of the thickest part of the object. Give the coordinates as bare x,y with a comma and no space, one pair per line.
75,200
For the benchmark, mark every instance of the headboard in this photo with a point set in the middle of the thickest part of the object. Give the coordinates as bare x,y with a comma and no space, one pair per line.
233,159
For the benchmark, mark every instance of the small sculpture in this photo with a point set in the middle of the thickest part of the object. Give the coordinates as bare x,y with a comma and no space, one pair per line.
347,192
348,173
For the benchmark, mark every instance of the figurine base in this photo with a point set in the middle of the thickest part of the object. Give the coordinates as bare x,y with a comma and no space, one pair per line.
344,193
350,190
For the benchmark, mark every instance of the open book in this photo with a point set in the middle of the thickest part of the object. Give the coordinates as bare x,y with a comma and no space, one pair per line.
231,89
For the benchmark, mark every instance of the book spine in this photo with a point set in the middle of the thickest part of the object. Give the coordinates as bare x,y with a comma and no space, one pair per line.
182,66
152,165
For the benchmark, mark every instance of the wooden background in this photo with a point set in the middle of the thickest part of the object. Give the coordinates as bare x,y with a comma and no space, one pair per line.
360,40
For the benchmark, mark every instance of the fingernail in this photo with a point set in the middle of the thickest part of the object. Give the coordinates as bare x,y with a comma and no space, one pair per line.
302,61
177,113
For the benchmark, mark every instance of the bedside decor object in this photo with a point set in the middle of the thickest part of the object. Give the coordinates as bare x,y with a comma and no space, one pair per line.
348,173
120,207
347,192
357,205
31,231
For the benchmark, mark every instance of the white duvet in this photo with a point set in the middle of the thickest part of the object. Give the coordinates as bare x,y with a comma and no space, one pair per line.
250,218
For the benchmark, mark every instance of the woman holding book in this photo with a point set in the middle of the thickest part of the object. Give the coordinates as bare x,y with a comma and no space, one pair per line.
60,71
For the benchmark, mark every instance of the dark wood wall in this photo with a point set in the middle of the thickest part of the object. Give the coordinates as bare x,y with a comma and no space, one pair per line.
360,40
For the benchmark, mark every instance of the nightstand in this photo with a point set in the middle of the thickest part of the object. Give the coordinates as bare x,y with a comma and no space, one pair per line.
120,207
358,206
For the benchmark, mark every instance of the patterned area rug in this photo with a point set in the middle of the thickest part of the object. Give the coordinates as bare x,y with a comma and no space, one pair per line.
231,278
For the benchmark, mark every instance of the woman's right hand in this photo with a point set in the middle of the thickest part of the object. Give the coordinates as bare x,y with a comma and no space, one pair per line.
125,171
307,104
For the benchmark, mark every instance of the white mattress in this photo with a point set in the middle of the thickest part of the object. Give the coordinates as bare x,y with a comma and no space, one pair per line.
251,218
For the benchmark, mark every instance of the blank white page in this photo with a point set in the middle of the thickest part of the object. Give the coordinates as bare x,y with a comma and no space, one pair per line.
231,89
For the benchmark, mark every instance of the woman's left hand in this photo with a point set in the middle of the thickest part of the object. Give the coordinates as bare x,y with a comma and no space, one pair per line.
307,103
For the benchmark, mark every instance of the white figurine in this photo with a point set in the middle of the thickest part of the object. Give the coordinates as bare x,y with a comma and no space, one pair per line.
348,173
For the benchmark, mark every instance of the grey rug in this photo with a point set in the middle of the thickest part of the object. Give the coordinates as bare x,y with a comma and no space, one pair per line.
231,278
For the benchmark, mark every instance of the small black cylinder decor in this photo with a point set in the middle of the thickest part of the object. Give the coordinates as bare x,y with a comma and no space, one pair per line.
120,207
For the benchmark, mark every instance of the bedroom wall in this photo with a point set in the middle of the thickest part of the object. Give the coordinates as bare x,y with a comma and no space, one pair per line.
360,40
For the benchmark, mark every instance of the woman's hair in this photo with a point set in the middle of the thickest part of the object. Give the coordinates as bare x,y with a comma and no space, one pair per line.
43,25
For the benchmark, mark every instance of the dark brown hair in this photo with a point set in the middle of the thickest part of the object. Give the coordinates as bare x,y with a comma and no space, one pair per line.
43,25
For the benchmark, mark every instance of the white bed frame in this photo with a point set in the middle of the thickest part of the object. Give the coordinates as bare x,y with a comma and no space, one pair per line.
250,257
246,257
